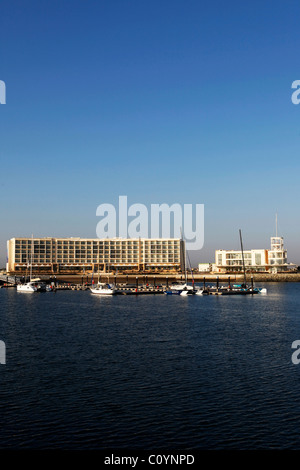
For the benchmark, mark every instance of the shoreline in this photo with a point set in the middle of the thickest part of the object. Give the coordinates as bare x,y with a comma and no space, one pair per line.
167,278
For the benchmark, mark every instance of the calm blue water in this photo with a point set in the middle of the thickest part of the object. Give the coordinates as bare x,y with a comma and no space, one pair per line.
150,372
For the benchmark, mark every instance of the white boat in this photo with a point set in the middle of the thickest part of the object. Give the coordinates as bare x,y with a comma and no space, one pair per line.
262,290
184,292
27,287
199,292
30,286
103,289
196,291
181,286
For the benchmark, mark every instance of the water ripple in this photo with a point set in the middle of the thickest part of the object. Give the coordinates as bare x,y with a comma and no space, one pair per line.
149,373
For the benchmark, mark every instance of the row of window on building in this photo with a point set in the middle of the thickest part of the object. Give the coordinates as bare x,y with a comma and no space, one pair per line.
107,251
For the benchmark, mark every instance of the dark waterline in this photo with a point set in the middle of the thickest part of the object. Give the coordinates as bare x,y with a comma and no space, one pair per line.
150,372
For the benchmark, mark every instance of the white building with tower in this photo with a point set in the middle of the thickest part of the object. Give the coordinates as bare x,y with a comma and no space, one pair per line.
273,260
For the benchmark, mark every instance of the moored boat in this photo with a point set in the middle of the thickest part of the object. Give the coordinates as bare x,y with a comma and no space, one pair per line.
30,286
180,286
103,289
27,287
172,292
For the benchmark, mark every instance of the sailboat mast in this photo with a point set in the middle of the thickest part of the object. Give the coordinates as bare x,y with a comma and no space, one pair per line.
190,264
31,257
183,251
185,273
243,257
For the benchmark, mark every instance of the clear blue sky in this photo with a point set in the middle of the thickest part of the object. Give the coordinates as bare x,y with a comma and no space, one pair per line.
162,101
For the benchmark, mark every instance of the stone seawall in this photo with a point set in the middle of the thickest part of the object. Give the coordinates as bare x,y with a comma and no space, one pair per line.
257,277
169,278
281,277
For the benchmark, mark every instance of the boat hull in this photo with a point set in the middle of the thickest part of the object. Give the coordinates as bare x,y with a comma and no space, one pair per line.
102,291
173,292
26,288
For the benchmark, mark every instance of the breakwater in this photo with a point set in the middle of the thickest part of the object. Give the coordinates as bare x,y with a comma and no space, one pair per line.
153,279
157,279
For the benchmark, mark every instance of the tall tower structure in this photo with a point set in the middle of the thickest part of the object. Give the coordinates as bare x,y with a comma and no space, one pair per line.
277,253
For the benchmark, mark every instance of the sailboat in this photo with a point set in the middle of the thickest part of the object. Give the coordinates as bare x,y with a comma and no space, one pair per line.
102,288
31,285
243,288
190,290
182,288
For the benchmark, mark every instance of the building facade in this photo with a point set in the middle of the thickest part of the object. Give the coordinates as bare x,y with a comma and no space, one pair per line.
273,260
60,255
204,267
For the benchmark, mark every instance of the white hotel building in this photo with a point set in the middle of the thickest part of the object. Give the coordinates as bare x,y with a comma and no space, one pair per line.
77,255
272,261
